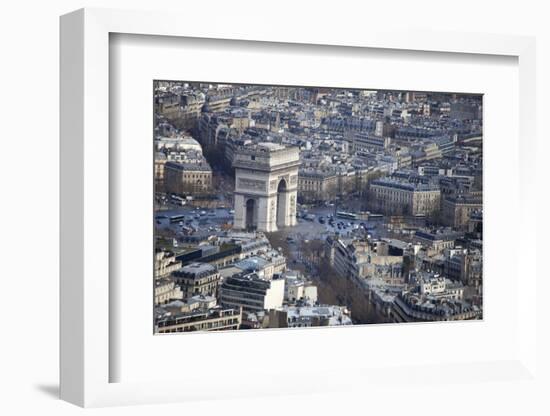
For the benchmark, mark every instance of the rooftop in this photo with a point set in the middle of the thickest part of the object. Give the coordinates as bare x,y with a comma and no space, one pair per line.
404,185
196,270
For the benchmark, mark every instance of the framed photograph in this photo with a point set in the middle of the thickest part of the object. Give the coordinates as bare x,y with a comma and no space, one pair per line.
301,207
291,207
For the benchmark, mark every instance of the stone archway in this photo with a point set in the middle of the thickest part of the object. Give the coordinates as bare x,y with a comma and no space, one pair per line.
282,204
250,209
268,174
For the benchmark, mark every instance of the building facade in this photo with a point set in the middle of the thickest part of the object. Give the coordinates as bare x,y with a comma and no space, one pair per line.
316,185
198,279
252,293
188,178
166,291
433,298
395,197
457,210
202,320
367,142
165,263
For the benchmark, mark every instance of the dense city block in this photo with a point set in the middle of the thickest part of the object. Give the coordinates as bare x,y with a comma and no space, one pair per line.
295,207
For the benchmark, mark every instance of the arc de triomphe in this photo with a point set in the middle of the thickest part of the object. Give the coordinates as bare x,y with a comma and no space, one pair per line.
266,180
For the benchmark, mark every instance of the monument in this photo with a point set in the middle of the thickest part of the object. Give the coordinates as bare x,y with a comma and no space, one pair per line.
266,180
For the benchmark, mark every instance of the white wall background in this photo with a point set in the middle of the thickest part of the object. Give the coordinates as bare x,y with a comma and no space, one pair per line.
29,208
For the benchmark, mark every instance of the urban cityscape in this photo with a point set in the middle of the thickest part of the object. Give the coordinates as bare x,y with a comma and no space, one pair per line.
299,207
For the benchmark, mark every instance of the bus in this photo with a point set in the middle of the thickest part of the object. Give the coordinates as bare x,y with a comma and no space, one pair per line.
174,219
376,217
346,215
178,200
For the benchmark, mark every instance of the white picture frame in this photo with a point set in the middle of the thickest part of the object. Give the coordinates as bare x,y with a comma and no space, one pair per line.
85,353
